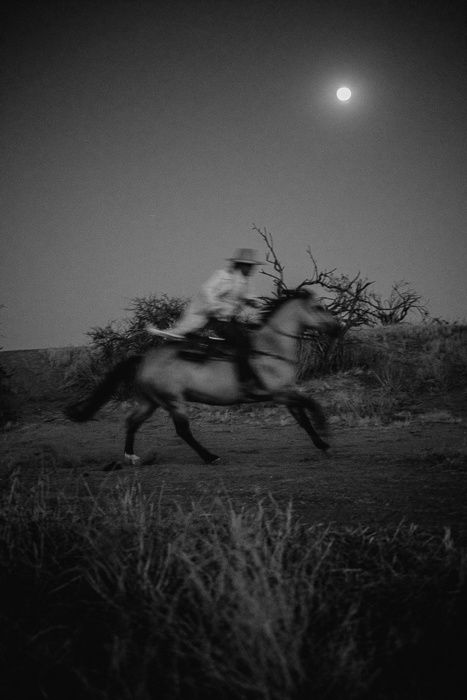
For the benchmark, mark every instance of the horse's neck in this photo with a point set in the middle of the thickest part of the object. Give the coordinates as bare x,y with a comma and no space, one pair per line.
287,319
283,326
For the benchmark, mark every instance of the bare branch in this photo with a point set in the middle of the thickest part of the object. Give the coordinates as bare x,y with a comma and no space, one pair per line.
272,259
401,301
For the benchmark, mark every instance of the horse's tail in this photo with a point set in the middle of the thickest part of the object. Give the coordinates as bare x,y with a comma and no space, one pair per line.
123,371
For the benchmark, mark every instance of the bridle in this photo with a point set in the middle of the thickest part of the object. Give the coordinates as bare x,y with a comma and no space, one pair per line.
272,354
288,335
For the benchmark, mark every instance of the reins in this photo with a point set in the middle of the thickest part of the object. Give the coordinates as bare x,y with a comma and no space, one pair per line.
272,354
288,335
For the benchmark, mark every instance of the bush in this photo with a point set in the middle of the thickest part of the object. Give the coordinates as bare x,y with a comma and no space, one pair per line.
118,340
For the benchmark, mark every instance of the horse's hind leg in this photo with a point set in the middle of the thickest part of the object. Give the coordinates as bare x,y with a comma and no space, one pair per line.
182,427
142,411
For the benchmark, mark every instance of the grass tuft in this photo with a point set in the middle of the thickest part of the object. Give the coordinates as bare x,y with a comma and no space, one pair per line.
116,596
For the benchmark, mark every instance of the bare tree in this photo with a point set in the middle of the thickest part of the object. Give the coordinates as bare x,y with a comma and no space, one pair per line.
402,300
349,298
346,297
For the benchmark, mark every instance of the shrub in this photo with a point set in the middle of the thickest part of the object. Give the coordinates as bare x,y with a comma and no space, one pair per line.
117,340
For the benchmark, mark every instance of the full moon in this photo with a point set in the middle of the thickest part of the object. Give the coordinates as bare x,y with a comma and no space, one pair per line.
344,94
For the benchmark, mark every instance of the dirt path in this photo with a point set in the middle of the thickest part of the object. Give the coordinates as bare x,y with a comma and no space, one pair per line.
414,471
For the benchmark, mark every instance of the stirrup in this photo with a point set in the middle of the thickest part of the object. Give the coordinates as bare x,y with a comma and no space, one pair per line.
214,336
168,335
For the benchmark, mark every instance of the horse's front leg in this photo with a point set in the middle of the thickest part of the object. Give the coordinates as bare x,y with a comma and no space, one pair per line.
299,413
183,430
298,405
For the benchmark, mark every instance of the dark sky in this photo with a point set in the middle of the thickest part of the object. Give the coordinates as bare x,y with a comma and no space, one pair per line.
141,140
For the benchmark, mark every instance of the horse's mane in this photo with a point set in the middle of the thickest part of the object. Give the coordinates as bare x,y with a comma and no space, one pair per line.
271,305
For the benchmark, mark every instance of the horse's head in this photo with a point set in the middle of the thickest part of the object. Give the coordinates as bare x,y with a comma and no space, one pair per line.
304,309
314,314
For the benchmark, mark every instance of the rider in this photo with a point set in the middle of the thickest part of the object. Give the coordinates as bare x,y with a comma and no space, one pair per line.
218,305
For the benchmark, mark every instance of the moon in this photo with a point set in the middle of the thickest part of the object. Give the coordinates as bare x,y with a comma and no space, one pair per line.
344,94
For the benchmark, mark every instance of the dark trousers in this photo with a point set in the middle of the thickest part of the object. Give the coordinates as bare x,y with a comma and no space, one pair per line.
238,337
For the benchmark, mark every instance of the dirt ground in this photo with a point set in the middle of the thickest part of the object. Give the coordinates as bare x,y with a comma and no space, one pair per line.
412,470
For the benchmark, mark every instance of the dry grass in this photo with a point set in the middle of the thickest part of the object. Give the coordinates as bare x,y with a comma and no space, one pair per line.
378,371
423,356
116,597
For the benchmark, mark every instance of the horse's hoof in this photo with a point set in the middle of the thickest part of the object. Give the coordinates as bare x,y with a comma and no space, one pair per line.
134,460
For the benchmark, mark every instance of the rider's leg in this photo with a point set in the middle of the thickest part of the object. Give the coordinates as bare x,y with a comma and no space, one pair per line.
243,348
236,335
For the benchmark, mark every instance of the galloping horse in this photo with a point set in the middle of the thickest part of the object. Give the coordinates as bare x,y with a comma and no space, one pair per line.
165,376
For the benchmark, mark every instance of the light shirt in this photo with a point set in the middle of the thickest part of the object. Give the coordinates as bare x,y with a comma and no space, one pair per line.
225,292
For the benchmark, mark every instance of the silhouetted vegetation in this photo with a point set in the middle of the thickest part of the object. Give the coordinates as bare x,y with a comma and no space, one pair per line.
351,298
116,340
9,409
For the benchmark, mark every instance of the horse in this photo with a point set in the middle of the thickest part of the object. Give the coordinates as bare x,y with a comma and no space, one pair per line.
166,376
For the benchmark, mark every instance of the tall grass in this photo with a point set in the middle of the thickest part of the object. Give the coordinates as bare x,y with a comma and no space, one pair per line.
423,356
117,596
374,372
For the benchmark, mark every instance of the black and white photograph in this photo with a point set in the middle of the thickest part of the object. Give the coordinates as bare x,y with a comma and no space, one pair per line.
233,350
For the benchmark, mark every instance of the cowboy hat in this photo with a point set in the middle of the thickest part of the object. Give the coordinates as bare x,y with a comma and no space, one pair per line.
247,256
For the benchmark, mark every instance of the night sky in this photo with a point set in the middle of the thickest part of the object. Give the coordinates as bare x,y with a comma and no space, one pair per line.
141,141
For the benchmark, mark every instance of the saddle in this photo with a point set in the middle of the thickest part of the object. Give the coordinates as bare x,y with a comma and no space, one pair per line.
201,348
198,347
